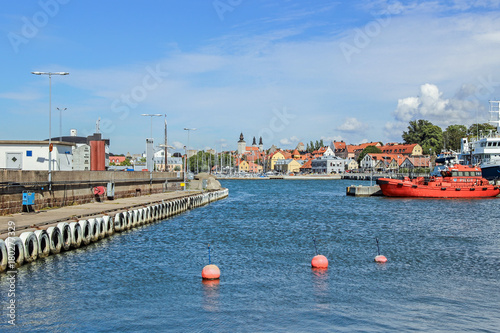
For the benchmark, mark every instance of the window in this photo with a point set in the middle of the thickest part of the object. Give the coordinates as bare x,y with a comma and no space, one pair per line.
29,153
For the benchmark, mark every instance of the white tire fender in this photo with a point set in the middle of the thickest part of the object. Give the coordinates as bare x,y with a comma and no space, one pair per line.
30,244
43,243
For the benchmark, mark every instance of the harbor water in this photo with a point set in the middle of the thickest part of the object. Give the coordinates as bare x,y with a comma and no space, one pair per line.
442,274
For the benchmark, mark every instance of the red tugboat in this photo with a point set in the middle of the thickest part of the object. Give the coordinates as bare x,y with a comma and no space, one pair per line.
456,181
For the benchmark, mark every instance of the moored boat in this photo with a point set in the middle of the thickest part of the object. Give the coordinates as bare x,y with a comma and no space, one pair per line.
485,148
456,181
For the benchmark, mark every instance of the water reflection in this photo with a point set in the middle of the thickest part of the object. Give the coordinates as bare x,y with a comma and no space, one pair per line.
320,281
211,294
321,288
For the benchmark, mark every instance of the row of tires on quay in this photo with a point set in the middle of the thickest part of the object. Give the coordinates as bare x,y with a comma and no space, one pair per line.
30,246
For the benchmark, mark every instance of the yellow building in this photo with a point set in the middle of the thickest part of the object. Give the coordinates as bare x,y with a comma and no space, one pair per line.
352,165
272,161
288,166
243,166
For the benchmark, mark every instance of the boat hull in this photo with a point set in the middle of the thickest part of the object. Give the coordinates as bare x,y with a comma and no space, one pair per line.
490,172
399,188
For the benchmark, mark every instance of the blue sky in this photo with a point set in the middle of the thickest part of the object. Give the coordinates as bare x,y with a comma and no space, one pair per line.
285,70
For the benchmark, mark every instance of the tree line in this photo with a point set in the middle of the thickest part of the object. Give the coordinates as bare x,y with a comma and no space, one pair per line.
433,139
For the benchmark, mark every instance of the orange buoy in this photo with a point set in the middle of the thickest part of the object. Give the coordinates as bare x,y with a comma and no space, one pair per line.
210,272
319,261
379,258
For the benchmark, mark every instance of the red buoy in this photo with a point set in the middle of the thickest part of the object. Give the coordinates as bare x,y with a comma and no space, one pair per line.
319,261
210,272
381,259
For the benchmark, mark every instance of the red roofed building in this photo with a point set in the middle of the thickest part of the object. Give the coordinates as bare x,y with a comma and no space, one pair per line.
381,161
306,167
117,159
323,151
339,148
413,149
353,151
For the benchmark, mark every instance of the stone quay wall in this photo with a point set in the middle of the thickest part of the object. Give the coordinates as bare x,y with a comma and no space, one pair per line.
79,187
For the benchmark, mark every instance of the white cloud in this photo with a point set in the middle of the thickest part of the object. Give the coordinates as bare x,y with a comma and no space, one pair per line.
177,145
21,96
430,105
217,86
328,139
351,124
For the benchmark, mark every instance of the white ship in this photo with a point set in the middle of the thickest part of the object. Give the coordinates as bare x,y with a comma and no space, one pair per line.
485,148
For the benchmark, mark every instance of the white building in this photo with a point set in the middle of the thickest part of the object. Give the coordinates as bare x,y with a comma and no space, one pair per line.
81,157
328,164
34,155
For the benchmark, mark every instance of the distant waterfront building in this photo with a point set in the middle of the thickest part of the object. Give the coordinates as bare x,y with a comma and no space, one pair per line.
413,149
278,155
242,146
412,162
306,167
339,148
323,151
288,166
353,151
351,164
372,161
116,159
328,164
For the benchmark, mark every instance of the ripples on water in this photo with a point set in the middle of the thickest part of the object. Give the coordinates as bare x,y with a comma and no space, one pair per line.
442,275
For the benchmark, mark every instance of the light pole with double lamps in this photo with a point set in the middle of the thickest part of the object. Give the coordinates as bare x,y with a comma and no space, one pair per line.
50,118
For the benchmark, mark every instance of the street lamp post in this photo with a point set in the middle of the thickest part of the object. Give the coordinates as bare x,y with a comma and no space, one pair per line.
185,167
50,118
166,148
151,115
60,122
189,130
152,157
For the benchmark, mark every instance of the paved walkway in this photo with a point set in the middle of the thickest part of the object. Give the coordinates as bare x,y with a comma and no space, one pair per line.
45,218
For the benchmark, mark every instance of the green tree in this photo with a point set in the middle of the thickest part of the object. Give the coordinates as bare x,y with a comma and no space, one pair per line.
368,150
453,135
426,134
475,129
321,144
126,162
311,147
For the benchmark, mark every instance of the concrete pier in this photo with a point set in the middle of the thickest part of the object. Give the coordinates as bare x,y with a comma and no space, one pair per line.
45,218
28,235
364,191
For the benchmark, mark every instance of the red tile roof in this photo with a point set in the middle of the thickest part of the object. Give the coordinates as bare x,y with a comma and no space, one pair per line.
398,149
307,164
388,157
